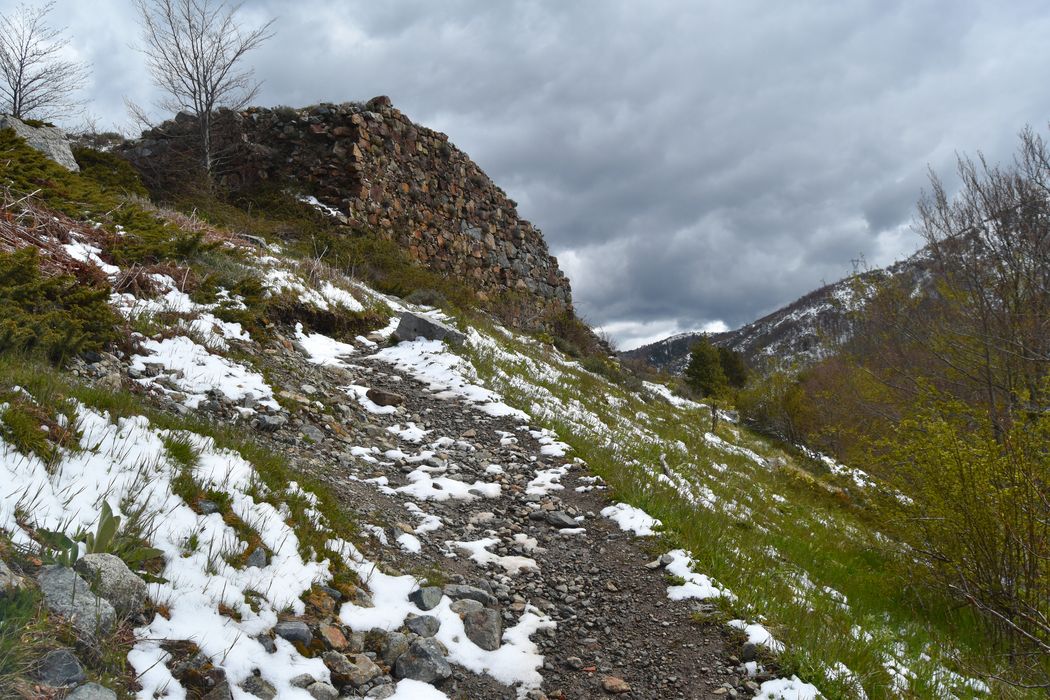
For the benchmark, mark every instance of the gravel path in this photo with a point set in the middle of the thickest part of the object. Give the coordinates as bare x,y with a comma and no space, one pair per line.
616,633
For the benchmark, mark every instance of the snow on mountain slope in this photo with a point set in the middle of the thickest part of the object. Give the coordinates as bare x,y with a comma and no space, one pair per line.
802,332
479,482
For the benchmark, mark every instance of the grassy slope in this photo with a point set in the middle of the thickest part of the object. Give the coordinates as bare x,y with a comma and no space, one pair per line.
779,538
97,207
776,537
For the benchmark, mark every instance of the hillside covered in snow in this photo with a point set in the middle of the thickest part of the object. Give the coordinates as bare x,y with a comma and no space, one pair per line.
805,331
231,468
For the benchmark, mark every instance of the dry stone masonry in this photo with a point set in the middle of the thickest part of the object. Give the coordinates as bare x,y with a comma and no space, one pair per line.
402,181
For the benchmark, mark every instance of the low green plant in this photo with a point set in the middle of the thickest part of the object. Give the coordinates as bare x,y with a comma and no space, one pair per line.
18,614
59,548
104,536
107,538
38,427
55,315
20,427
98,195
110,171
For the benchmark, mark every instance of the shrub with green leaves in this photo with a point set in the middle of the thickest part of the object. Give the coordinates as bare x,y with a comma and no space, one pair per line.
57,316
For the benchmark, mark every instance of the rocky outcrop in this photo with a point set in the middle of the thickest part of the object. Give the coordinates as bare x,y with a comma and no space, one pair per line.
378,171
49,140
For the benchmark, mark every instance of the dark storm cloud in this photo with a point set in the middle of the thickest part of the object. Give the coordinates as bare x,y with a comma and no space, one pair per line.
689,162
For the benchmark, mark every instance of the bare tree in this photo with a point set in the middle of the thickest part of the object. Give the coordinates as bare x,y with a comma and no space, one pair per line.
35,80
193,48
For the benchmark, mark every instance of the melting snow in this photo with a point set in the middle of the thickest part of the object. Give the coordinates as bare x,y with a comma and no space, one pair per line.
632,519
787,689
195,371
478,551
758,635
446,375
322,350
696,585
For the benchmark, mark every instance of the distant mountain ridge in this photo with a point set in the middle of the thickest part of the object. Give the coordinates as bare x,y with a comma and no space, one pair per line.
801,333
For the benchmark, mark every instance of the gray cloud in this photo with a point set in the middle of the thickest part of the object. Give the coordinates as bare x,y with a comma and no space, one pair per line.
689,162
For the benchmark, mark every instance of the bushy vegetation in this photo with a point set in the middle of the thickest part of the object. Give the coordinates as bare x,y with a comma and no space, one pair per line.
110,171
945,393
18,627
714,371
99,195
777,532
57,316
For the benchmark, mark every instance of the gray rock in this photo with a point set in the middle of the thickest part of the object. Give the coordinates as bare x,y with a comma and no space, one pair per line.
457,591
394,646
255,685
381,692
9,580
220,692
426,598
561,520
269,423
381,397
354,670
267,643
92,691
60,667
423,625
749,652
49,140
111,578
313,433
414,326
466,605
207,507
303,680
322,691
294,631
257,558
424,661
69,595
483,627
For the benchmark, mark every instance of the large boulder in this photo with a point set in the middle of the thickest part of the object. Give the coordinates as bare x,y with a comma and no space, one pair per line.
69,595
111,578
413,326
49,140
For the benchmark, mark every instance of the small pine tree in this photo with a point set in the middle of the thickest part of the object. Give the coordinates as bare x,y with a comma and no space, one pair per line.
704,374
733,367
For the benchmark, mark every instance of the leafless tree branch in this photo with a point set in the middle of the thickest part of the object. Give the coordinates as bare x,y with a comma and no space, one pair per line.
194,49
35,80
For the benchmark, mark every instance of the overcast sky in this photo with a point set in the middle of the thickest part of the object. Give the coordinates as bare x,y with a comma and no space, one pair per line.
692,164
